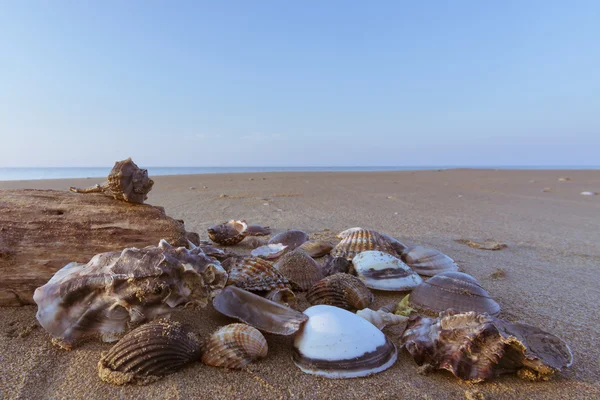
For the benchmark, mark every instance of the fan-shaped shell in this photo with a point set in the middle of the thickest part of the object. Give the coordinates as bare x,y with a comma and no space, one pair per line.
341,290
255,274
383,271
336,343
283,296
428,262
361,240
343,234
234,346
452,290
148,352
317,248
269,251
228,233
256,311
292,239
300,268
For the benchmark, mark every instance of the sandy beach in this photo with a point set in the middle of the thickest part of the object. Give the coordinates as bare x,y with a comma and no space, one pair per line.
551,278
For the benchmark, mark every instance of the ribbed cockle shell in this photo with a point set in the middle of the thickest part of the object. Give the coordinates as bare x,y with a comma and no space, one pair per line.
428,262
149,352
341,290
362,240
255,274
300,268
234,346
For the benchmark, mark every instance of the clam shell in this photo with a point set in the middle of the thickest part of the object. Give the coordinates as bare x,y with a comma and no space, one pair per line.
228,233
336,343
428,262
379,270
341,290
234,346
283,296
476,347
361,240
451,290
257,230
381,318
255,274
317,248
292,239
336,265
269,251
148,352
256,311
398,246
300,268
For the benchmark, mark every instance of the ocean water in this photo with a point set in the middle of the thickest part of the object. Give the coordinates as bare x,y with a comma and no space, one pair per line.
17,174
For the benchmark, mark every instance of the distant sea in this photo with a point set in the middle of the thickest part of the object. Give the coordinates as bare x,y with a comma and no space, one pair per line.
17,174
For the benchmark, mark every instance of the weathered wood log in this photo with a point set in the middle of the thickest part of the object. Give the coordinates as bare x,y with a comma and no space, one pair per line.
43,230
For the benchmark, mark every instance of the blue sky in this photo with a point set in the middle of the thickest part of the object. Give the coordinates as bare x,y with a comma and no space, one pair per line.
305,83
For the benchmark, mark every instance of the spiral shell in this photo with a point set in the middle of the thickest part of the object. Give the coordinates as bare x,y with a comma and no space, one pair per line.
234,346
358,241
428,262
255,274
148,352
381,318
300,268
341,290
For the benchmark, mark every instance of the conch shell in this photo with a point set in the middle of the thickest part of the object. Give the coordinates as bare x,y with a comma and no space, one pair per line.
126,181
234,346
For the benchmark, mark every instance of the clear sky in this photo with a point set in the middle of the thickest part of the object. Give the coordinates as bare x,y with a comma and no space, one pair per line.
299,83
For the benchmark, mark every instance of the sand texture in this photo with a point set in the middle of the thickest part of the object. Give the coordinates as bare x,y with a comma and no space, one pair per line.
547,275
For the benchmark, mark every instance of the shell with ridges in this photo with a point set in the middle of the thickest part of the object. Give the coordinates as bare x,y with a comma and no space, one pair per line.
149,352
255,274
341,290
292,238
234,346
362,240
300,268
428,262
381,318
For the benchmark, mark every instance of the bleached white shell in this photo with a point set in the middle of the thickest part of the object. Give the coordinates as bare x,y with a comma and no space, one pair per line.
379,270
336,343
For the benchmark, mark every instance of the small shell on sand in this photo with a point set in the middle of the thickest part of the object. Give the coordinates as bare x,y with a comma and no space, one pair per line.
589,193
234,346
488,244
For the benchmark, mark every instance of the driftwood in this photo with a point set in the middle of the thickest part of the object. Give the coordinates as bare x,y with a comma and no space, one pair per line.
43,230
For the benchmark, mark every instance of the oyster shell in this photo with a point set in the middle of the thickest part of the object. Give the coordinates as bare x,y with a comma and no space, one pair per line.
381,318
126,181
336,265
317,248
255,274
258,312
300,268
116,291
283,296
269,251
336,343
149,352
379,270
341,290
292,239
362,240
428,262
228,233
234,346
455,290
476,347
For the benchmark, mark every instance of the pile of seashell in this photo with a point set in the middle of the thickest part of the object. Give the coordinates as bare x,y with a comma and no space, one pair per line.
451,320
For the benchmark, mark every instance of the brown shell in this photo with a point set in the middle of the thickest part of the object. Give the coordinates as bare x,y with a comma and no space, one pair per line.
149,352
341,290
428,262
317,248
300,268
398,246
335,265
476,347
228,233
234,346
256,311
362,240
283,296
255,274
451,290
292,239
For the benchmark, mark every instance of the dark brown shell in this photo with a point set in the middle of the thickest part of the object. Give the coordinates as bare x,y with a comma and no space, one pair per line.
149,352
234,346
300,268
477,347
335,265
292,239
255,274
452,290
428,262
228,233
362,240
258,312
341,290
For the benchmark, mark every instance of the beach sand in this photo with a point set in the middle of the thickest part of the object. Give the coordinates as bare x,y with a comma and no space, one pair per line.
551,278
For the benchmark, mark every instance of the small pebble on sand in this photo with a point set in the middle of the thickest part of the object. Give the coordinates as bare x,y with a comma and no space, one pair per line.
192,188
564,179
546,190
223,195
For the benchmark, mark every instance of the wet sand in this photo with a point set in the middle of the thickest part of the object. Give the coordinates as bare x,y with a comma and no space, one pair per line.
548,275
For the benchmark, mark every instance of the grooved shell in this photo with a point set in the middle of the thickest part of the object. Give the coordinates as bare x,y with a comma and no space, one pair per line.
255,274
341,290
149,352
383,271
452,290
234,346
300,268
292,239
317,248
428,262
256,311
476,347
269,251
228,233
361,240
381,318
